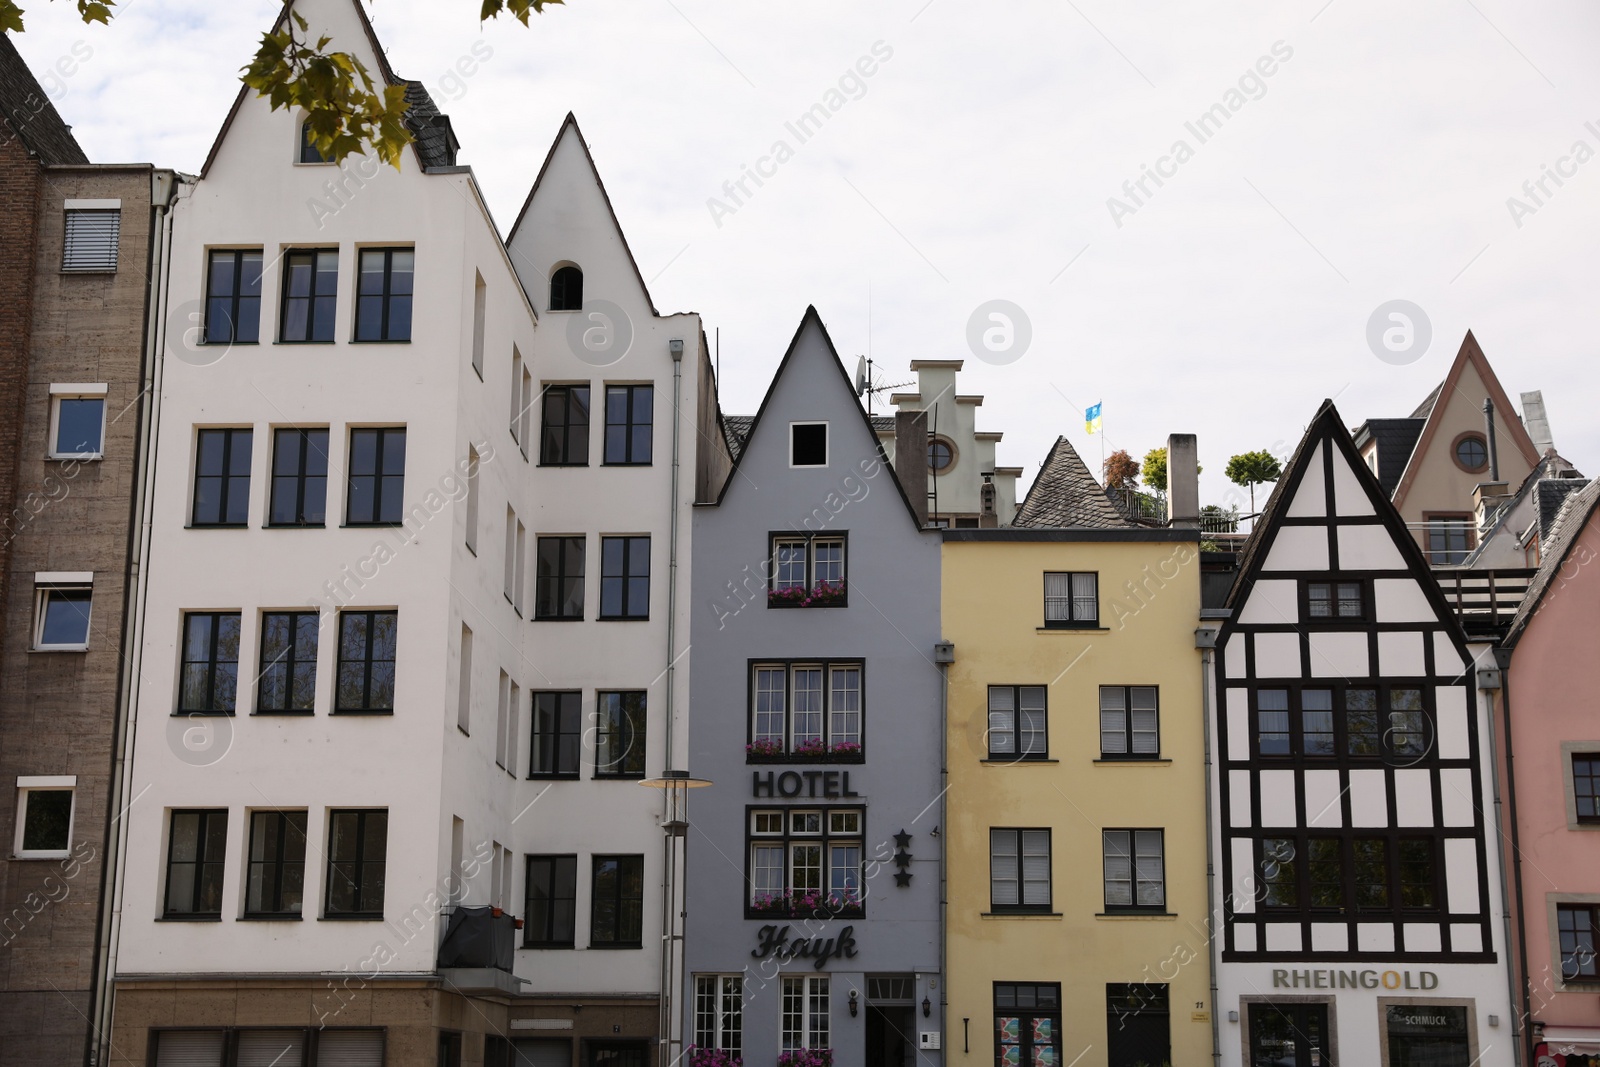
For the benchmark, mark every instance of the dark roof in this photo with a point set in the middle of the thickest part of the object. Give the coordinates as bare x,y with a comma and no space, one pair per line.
1425,408
435,139
1546,470
1396,439
736,429
1553,493
1065,494
29,111
1574,514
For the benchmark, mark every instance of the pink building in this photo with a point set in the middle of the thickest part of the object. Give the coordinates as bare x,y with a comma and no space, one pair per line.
1551,707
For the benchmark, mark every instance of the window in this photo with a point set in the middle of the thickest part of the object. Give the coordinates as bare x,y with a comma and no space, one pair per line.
502,721
464,683
299,478
552,902
810,710
1307,723
376,493
480,308
624,577
366,661
1027,1024
519,407
1406,737
1471,453
275,881
1135,871
719,1012
44,817
940,455
808,444
807,571
1280,878
628,424
233,297
1334,600
1417,884
565,440
1071,599
92,236
197,844
1019,870
310,294
278,1047
522,420
357,842
222,477
1325,872
77,423
210,669
1576,925
557,735
1449,539
1129,722
309,152
616,918
288,662
1308,874
620,735
472,500
805,862
1371,873
566,289
559,592
64,603
1138,1025
805,1012
383,297
1017,722
1586,786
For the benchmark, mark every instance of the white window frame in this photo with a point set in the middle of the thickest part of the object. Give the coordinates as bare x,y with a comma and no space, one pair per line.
27,784
813,1032
827,444
75,391
719,1012
47,582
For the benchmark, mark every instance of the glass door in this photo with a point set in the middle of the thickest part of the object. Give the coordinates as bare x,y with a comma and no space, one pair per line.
1289,1035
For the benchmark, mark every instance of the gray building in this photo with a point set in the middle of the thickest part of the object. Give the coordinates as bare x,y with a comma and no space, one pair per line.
813,860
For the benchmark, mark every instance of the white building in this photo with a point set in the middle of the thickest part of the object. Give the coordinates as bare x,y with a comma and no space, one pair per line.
369,692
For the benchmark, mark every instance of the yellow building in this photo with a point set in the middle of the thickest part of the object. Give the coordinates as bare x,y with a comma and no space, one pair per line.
1077,929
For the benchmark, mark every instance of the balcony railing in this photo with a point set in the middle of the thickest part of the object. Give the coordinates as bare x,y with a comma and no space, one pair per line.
1484,601
479,938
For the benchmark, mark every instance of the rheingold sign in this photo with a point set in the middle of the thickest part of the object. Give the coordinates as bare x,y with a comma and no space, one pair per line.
1314,979
775,942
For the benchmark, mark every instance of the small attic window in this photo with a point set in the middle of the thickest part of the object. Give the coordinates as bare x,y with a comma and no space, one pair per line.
808,444
566,289
309,153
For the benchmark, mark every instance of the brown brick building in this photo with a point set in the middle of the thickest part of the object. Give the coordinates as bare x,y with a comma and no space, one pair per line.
74,286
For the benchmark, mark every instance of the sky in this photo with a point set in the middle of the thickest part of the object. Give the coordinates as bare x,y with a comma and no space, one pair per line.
1359,154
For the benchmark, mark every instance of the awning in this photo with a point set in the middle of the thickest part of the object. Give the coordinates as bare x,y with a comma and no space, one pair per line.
1584,1039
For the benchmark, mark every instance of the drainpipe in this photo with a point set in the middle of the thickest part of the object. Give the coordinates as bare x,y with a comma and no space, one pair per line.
944,654
163,191
1206,641
1521,1020
669,938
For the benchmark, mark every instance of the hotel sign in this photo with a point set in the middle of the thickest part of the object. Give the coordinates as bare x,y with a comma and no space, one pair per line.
1331,979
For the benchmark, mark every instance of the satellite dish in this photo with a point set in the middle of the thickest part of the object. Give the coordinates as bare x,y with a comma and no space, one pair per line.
862,384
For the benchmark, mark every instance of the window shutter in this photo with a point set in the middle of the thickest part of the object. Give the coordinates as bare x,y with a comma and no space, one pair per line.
1035,867
1002,720
1119,869
1085,598
1152,875
271,1048
91,243
1032,720
1057,597
1145,738
1003,887
189,1048
350,1048
1113,724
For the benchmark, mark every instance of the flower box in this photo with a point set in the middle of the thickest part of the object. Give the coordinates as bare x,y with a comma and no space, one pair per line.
806,1057
822,595
713,1057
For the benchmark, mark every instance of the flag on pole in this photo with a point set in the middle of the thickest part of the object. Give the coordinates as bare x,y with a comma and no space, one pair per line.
1091,419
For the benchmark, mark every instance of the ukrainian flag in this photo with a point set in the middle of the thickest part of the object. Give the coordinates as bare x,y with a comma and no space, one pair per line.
1091,419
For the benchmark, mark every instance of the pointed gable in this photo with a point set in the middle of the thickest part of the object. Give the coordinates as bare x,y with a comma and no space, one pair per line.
811,384
1064,493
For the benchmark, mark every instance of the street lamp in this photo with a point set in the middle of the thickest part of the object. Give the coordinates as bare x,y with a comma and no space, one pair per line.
675,786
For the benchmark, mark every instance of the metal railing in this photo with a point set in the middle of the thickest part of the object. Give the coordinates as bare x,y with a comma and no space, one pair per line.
1484,600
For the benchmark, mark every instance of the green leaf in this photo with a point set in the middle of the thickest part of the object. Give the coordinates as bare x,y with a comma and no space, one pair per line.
10,17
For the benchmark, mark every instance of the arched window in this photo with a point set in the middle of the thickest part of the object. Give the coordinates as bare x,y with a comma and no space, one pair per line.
566,289
308,147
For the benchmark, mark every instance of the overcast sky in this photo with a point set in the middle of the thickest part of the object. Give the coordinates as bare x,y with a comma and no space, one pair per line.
976,162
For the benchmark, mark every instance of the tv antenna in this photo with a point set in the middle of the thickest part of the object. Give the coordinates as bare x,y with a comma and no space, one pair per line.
869,385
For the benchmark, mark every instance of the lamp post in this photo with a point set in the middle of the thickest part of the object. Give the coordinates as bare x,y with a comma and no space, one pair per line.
675,786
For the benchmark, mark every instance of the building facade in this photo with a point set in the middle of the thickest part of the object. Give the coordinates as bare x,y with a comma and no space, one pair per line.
1077,928
1353,796
76,281
815,853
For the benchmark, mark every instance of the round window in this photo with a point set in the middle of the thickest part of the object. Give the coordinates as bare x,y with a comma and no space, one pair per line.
1472,453
940,455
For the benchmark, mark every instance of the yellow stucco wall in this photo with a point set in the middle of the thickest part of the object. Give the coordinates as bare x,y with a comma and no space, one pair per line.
993,611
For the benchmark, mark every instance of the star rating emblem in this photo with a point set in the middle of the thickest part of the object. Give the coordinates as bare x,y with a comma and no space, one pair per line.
902,840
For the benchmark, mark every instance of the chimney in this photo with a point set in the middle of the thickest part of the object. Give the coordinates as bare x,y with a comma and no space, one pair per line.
1488,433
1183,481
987,518
1537,422
911,459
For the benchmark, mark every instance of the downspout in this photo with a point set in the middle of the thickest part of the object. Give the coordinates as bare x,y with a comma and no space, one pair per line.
164,187
1206,639
667,1011
1525,1014
944,851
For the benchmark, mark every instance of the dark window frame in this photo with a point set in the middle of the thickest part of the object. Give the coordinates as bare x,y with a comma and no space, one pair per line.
620,900
1387,727
568,398
1588,970
626,578
212,662
1447,522
553,937
228,484
634,734
630,425
566,288
379,476
386,298
297,481
1352,907
825,838
787,753
795,443
359,862
367,661
1006,997
1016,755
1364,593
1073,621
275,867
233,298
308,147
1589,778
202,863
1128,755
780,598
1134,879
288,660
1023,907
550,589
314,325
554,738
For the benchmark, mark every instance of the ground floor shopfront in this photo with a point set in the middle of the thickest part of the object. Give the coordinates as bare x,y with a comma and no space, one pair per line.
334,1021
1319,1015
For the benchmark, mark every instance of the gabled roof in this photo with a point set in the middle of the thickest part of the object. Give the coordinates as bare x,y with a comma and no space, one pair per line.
1064,493
1508,426
1327,428
809,318
736,429
1553,493
1396,439
572,121
1532,486
435,144
1577,510
30,114
1424,409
